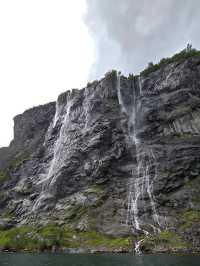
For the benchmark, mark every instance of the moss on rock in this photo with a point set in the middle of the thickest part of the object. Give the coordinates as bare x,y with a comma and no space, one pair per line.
163,242
4,176
189,218
18,160
33,238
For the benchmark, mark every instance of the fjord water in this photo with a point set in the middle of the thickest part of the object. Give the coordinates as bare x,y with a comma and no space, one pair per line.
96,260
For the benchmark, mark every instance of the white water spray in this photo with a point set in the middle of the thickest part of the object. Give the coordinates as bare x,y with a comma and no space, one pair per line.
59,153
141,183
123,109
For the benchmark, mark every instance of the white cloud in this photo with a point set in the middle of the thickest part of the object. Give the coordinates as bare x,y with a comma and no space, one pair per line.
45,49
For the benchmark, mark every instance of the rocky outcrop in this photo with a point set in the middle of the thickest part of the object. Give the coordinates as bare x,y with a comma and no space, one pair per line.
78,172
120,157
29,132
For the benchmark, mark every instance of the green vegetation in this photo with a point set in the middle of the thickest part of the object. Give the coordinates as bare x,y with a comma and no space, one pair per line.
38,238
192,183
96,189
111,74
18,160
131,76
191,216
94,239
188,218
184,54
7,213
14,163
167,236
75,212
183,135
165,240
4,175
32,238
196,198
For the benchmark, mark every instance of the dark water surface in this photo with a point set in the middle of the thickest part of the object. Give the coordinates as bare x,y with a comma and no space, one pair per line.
97,260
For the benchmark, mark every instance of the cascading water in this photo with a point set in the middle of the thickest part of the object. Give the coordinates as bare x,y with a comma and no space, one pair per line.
123,109
141,184
141,187
58,150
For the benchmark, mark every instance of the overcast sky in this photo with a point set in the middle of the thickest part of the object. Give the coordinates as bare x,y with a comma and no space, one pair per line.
45,49
130,33
49,46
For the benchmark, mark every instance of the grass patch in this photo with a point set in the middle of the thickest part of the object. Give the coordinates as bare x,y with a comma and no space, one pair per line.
189,218
33,238
4,176
14,163
74,213
165,240
94,239
18,160
7,214
196,199
183,135
96,189
193,183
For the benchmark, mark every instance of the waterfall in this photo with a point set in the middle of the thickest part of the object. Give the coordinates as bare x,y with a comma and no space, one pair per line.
137,247
140,85
123,109
59,148
58,151
141,182
142,186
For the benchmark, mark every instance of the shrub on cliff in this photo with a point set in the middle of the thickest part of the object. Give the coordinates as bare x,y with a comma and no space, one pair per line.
111,74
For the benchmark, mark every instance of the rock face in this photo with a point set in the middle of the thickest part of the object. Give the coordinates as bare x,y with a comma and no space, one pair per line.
121,157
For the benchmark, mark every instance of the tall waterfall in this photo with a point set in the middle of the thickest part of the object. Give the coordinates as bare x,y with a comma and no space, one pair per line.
59,148
58,151
141,183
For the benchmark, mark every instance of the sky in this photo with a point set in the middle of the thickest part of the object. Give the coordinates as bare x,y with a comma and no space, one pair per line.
128,34
49,46
45,49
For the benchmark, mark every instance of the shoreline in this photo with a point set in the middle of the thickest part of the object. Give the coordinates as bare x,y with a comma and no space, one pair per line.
57,251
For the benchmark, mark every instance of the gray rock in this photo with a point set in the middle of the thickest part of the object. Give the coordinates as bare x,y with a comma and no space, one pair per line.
81,158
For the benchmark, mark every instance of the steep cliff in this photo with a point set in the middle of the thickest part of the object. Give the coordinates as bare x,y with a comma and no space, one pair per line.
108,165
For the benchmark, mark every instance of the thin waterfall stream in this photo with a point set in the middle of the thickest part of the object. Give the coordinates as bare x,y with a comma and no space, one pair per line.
141,183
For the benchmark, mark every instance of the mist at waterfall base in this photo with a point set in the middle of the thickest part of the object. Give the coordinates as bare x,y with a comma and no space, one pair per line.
96,260
129,34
